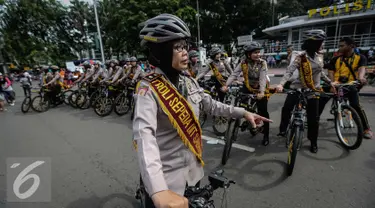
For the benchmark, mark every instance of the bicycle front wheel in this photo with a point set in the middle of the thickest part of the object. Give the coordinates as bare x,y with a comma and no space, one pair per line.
348,118
294,140
40,104
122,104
103,106
26,104
230,137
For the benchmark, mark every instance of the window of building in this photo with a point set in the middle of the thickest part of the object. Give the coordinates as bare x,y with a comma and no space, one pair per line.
363,28
347,30
295,35
331,31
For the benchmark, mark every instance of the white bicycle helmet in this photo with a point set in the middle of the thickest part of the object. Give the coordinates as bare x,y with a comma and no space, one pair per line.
314,35
163,28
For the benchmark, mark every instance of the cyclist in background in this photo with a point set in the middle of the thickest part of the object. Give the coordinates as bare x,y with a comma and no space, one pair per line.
193,65
221,71
254,70
54,83
346,68
310,63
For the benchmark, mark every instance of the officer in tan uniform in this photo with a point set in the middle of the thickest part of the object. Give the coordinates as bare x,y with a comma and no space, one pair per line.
254,70
167,134
135,71
221,71
193,66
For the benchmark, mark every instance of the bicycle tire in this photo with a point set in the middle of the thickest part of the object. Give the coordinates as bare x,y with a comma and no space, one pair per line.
66,96
119,100
357,122
141,194
293,149
84,104
216,131
230,137
132,107
26,104
73,101
37,110
107,112
93,97
202,115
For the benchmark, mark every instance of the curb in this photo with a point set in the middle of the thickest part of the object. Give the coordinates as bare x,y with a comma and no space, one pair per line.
275,75
365,94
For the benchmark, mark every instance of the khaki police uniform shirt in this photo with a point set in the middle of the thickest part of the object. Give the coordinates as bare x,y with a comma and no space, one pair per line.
257,74
165,162
292,72
223,67
136,70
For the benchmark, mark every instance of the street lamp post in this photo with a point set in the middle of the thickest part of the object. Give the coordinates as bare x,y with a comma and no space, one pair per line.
199,33
99,34
2,64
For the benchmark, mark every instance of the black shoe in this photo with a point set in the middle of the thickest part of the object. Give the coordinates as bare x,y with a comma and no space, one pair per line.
314,148
266,141
282,134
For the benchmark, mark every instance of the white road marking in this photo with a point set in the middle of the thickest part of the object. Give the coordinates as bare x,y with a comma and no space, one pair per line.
235,145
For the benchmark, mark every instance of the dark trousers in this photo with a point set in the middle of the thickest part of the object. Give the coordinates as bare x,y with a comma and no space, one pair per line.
218,86
312,110
262,106
55,90
27,90
10,95
353,98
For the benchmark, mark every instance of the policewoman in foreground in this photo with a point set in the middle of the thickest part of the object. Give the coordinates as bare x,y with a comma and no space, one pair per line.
167,134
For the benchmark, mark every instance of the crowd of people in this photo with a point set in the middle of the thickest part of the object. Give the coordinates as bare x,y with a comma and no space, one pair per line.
170,153
169,157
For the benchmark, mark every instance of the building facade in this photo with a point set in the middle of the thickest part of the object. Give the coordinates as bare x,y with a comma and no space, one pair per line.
356,20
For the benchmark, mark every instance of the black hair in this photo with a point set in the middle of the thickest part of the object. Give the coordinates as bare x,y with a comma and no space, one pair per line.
289,46
348,41
161,55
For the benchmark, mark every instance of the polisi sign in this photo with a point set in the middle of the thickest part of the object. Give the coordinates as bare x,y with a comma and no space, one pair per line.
340,8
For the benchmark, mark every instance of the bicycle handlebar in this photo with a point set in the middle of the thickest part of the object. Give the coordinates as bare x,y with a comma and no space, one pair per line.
200,197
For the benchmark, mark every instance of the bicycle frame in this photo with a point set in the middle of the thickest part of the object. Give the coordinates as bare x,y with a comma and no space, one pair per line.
297,119
340,100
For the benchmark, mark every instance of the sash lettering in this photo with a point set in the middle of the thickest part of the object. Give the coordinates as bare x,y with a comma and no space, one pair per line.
180,114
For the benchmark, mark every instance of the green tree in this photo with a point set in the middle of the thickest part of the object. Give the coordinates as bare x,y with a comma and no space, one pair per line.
32,29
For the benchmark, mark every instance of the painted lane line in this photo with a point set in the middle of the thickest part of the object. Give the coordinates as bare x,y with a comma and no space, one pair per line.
235,145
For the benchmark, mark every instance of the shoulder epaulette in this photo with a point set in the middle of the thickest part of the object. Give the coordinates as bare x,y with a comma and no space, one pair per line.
151,77
186,74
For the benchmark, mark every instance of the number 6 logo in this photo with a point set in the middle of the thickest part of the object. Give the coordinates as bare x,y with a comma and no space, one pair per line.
23,177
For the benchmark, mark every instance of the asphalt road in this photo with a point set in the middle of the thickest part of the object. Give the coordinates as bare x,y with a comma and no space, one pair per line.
95,166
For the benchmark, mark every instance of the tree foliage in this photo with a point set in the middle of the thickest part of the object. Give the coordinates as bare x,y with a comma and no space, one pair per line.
41,31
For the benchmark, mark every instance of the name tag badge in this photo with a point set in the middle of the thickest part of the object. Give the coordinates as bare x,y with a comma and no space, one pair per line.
191,88
196,98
